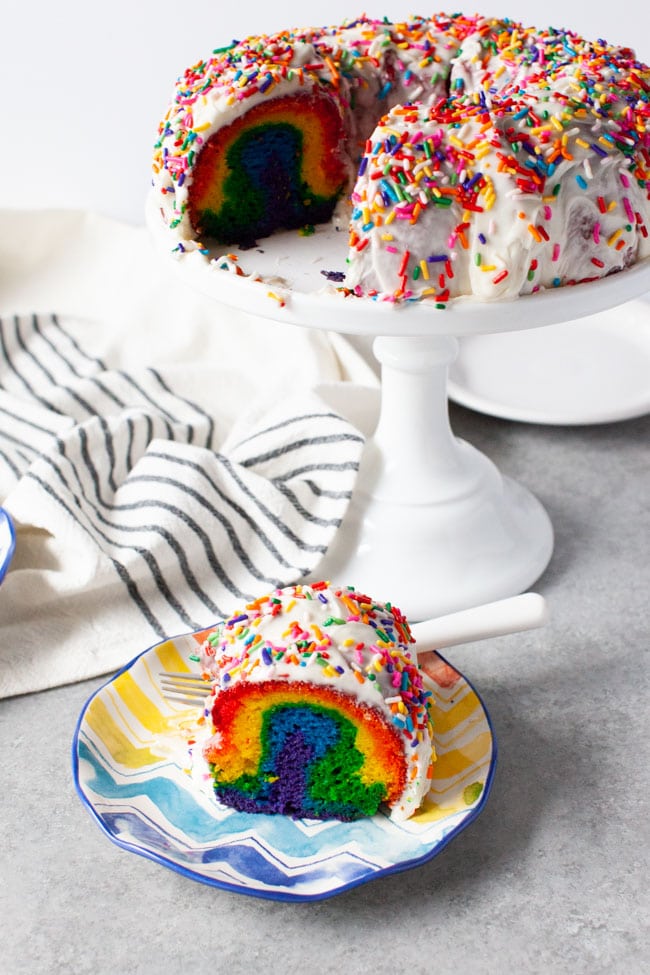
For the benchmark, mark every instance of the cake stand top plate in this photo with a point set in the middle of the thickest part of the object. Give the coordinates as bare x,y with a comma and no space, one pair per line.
292,288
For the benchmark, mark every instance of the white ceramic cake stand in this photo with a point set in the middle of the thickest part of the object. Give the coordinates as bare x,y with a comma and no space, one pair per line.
432,525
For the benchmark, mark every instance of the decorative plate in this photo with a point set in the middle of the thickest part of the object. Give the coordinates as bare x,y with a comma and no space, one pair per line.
594,370
130,761
7,542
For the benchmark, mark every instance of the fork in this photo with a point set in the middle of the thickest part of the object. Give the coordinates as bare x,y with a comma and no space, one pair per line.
512,615
185,688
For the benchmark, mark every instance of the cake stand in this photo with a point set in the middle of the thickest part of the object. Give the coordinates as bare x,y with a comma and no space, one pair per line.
432,524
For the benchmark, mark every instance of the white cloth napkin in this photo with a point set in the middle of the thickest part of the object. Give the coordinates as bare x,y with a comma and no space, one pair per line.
162,458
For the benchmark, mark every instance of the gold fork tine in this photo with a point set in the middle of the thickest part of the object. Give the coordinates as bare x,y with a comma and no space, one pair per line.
197,692
193,678
195,702
186,688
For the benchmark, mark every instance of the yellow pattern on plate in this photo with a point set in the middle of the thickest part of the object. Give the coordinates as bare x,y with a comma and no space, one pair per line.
130,763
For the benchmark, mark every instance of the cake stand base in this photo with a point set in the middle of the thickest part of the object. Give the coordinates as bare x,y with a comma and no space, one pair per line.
436,559
432,523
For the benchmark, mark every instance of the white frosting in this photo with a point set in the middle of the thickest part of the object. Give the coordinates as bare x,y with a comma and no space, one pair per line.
520,241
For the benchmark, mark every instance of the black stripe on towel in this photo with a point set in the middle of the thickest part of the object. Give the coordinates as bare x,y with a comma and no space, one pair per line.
130,584
227,526
290,421
285,449
84,502
209,440
226,465
95,518
73,342
47,336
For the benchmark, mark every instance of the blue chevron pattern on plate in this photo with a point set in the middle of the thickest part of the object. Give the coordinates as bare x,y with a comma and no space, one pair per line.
131,754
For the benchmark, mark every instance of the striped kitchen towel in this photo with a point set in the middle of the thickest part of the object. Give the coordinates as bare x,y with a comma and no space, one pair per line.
141,510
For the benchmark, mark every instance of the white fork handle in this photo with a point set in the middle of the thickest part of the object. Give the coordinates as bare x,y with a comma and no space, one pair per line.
512,615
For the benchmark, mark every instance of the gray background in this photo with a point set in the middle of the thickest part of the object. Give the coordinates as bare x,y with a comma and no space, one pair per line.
551,878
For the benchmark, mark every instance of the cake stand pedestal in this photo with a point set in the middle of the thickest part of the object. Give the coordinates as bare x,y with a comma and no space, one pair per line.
432,525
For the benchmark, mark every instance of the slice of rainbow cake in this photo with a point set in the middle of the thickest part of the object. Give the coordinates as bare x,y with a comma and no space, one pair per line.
318,708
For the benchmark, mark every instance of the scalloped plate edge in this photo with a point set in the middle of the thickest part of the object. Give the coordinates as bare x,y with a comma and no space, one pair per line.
275,894
7,542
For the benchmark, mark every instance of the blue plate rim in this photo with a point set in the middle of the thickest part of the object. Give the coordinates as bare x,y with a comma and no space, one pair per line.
5,521
277,895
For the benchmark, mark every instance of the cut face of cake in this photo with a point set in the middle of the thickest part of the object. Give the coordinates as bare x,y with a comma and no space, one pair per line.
319,709
304,750
278,166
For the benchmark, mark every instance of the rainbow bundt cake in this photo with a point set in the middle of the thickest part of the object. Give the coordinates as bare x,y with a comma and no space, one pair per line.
468,155
318,708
